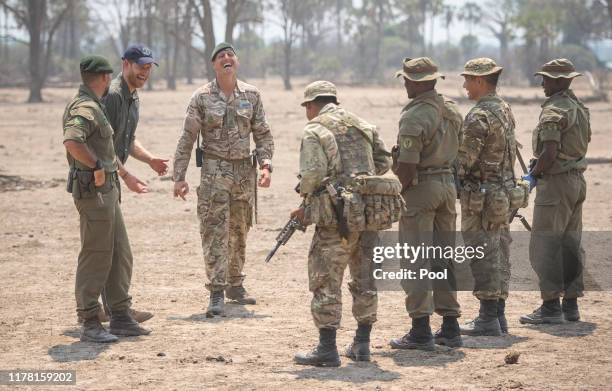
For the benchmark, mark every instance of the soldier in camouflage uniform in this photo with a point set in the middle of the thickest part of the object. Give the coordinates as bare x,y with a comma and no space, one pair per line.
560,144
428,139
105,260
486,168
225,113
337,144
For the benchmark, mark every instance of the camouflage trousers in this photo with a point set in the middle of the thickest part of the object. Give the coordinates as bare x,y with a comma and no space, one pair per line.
225,199
430,219
491,272
327,260
555,251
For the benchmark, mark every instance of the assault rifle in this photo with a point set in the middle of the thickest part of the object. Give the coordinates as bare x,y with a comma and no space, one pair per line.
514,214
285,234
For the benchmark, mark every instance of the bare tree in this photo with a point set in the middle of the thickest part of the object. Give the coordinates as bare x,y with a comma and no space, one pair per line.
471,13
41,21
291,20
203,14
238,12
501,17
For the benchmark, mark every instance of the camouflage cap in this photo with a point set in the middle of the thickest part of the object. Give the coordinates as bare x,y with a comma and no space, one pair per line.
318,88
561,67
419,69
220,47
95,64
480,67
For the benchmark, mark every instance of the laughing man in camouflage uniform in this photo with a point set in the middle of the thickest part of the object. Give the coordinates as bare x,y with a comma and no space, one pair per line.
486,160
428,140
560,144
337,144
225,112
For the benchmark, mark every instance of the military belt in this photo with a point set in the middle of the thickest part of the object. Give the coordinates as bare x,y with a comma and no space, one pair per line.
210,156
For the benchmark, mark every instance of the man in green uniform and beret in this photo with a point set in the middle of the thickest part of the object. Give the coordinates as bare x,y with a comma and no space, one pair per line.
427,143
224,113
560,142
104,266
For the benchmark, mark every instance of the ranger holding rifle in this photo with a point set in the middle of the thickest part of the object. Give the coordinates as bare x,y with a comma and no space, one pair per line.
346,150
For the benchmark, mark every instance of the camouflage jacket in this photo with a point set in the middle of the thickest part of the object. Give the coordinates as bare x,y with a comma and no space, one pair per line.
565,120
489,145
225,125
338,144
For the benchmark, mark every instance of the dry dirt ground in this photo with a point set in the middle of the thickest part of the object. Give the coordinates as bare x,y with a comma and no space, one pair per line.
251,348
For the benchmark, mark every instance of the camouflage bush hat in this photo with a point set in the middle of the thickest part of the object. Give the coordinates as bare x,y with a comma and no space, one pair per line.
419,69
480,67
561,67
219,48
319,88
95,64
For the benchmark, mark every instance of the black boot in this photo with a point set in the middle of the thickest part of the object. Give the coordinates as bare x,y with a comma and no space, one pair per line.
570,309
419,336
215,304
122,323
501,315
93,331
548,313
486,323
325,354
359,349
449,334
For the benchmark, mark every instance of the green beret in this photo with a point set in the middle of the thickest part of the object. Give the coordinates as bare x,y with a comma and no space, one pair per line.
220,47
95,64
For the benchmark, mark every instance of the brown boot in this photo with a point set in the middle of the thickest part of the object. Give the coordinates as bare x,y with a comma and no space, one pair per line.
123,324
140,316
239,295
93,331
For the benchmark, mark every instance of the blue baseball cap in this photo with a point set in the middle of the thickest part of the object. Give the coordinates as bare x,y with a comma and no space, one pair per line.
139,54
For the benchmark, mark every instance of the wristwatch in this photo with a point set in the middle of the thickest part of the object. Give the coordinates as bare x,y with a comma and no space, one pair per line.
268,166
98,165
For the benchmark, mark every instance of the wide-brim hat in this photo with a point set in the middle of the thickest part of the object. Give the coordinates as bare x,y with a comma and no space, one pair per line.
419,69
559,68
319,88
482,66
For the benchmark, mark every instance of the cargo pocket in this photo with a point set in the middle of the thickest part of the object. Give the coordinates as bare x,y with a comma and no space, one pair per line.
354,209
472,201
497,207
97,235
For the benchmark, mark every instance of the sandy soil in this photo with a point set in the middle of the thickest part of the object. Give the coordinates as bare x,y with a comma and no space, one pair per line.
251,348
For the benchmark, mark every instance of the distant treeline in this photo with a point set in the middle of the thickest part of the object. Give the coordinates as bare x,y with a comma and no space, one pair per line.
344,40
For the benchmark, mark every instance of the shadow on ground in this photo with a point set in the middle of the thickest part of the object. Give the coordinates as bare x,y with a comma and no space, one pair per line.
362,372
419,358
232,311
502,342
565,330
77,351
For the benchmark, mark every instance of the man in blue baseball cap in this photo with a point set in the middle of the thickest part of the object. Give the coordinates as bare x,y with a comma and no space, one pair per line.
122,110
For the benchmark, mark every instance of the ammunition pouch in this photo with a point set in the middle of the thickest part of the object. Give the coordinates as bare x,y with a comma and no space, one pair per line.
371,203
518,196
472,200
497,206
83,185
